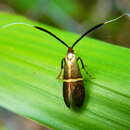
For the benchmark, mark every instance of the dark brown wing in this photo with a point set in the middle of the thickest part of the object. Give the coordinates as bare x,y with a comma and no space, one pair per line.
73,88
73,93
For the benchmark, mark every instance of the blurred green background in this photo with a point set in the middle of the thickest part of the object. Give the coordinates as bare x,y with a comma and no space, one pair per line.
77,16
74,16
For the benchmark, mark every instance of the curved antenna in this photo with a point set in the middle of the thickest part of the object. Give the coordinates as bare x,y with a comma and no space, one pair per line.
92,29
15,23
97,26
39,28
42,29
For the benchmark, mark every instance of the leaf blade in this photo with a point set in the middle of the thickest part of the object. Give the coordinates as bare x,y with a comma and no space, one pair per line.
30,58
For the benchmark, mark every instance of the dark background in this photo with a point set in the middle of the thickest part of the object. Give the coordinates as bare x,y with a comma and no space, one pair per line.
70,15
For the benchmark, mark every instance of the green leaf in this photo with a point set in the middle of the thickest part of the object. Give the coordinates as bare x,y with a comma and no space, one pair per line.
30,61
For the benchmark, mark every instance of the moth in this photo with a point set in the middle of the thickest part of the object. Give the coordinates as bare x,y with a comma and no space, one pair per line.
73,81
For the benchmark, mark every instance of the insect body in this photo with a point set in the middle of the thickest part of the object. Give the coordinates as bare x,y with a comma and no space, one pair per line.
73,88
73,85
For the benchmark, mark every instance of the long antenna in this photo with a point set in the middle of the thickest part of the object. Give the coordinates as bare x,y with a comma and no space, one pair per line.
42,29
39,28
92,29
97,26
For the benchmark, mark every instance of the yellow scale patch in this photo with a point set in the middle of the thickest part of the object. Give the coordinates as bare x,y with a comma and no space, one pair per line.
72,80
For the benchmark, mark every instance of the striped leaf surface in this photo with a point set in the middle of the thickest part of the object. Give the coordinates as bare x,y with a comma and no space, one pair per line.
29,64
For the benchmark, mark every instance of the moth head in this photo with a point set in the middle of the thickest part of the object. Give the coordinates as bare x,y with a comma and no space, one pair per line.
70,56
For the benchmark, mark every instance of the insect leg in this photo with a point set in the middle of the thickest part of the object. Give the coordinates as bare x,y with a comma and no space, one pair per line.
84,67
60,75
